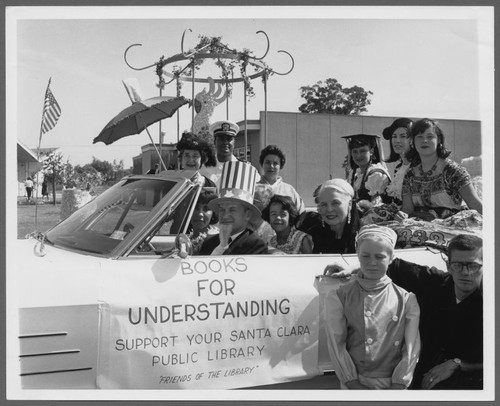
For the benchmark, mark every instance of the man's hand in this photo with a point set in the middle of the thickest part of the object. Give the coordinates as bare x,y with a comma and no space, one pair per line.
339,271
439,373
224,233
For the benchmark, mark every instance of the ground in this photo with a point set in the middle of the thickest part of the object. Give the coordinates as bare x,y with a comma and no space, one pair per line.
47,215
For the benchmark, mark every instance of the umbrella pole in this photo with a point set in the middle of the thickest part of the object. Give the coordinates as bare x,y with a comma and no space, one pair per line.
154,145
158,152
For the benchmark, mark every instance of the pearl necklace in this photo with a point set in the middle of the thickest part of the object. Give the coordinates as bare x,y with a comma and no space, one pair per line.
428,173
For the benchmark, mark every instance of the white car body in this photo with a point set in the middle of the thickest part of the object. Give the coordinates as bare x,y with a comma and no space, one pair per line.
59,295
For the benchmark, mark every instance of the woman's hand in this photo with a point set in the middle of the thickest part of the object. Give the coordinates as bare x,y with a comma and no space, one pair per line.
365,205
439,373
400,216
428,215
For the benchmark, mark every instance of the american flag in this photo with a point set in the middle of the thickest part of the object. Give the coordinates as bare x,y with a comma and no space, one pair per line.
51,111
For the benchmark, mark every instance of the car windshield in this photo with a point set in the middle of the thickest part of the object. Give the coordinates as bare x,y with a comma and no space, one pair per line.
100,225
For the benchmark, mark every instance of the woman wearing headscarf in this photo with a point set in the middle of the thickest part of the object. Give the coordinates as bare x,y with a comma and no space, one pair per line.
370,322
338,222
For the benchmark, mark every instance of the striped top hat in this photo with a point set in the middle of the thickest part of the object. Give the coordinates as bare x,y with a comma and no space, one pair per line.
237,183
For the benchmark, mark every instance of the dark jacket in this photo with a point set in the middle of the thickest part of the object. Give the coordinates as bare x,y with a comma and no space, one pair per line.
448,330
248,242
324,239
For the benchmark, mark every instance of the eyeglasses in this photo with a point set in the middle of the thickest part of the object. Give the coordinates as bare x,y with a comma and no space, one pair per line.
472,267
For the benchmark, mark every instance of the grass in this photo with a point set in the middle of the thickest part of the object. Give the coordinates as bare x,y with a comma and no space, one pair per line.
47,216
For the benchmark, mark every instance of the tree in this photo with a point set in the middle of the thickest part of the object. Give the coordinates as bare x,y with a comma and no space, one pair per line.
53,169
68,175
106,170
110,172
120,170
86,175
331,97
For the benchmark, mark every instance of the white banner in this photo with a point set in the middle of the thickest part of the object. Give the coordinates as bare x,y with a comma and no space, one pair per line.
209,323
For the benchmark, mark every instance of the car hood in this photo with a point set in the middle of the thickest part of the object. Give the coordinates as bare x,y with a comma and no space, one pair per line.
57,278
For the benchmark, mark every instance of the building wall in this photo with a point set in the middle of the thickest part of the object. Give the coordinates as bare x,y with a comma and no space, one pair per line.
315,150
149,157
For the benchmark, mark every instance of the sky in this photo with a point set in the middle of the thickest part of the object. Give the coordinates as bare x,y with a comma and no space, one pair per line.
417,63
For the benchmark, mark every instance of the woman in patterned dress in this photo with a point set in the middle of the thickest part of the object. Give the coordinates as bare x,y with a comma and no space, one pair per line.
282,214
435,186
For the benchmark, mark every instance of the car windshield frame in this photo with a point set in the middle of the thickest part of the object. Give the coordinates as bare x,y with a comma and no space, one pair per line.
110,224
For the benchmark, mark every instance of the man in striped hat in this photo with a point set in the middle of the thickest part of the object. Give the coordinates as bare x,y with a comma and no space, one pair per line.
235,209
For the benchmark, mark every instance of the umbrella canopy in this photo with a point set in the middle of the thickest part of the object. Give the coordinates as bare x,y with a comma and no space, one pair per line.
139,116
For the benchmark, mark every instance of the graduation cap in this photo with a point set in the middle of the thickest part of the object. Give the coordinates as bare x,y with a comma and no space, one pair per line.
358,140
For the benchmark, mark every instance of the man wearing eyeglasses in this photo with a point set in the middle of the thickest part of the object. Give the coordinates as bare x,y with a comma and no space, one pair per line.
451,314
451,323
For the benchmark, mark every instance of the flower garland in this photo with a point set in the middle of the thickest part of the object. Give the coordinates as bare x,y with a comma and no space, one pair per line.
214,45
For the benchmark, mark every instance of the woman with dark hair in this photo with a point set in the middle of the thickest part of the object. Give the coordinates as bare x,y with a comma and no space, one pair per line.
399,136
193,153
203,220
367,172
282,214
272,160
435,186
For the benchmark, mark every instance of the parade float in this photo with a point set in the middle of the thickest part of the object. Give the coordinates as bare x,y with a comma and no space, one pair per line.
112,298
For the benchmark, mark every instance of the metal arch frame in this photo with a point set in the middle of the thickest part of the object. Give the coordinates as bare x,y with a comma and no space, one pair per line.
262,71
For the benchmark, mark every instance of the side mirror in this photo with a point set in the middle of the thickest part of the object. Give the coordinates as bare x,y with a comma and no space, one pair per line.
183,245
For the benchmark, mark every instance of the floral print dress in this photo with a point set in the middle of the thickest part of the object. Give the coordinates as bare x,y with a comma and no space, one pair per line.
438,192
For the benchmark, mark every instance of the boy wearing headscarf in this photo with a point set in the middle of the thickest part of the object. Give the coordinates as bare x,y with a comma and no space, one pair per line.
371,323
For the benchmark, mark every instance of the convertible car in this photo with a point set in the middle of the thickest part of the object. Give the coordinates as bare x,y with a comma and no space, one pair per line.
111,298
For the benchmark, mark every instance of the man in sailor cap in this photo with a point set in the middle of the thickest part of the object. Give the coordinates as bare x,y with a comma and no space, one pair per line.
224,133
235,210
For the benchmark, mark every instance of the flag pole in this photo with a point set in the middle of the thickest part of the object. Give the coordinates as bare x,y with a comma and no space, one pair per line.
38,157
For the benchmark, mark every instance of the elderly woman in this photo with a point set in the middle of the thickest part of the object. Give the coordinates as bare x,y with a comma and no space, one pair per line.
262,196
339,218
435,186
272,160
193,153
282,214
371,323
399,136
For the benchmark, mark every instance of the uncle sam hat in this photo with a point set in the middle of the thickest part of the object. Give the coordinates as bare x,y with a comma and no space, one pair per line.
237,185
224,127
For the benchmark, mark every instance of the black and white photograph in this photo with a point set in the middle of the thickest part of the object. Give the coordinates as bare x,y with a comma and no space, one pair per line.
250,203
